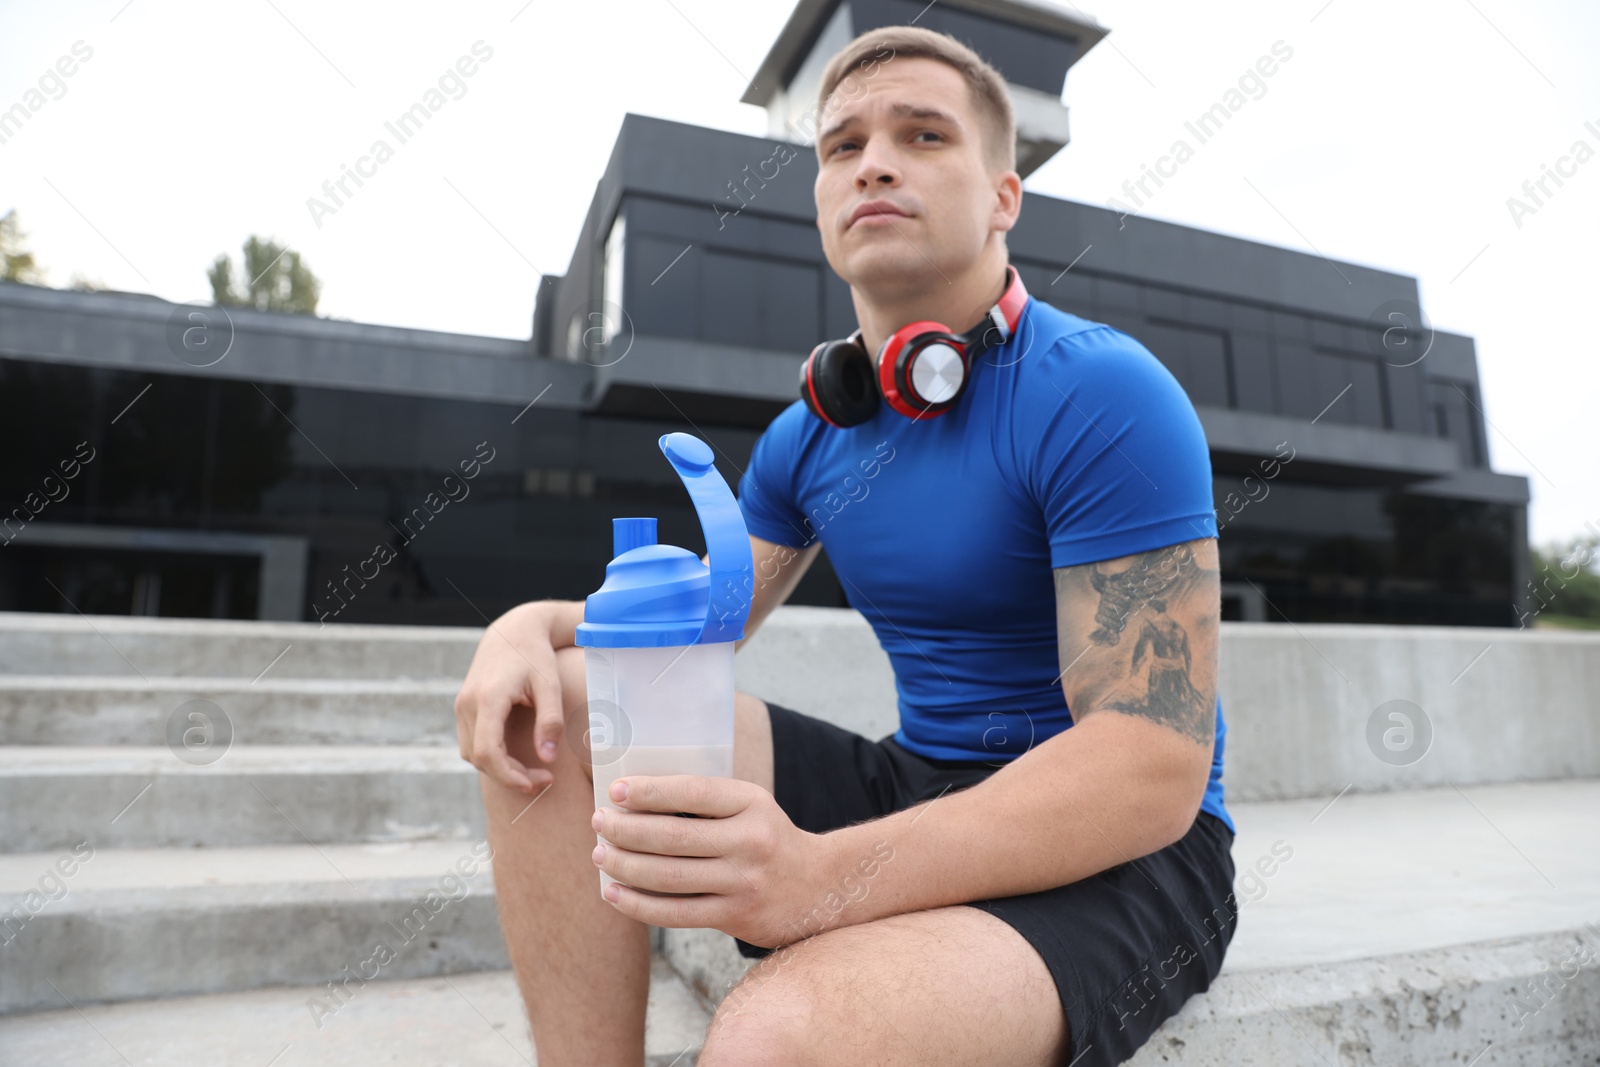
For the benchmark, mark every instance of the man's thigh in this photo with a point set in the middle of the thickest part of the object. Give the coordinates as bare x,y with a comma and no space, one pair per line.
945,987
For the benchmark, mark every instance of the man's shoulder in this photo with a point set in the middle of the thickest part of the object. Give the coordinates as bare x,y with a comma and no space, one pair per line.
1054,325
1070,348
791,425
792,436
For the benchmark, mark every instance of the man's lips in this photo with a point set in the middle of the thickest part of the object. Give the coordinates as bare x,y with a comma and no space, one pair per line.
874,208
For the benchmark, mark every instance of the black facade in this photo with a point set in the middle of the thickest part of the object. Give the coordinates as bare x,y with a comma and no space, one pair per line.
356,473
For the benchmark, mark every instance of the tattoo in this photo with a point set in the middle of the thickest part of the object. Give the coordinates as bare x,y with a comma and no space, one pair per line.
1157,681
1153,577
1170,695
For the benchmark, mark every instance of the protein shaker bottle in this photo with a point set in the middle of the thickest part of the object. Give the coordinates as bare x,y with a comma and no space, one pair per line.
658,638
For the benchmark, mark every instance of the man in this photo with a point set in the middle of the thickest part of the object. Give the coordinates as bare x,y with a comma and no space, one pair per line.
1035,868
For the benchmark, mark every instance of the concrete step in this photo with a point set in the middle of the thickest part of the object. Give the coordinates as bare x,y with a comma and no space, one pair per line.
1309,707
1395,931
127,710
119,644
139,797
464,1019
1470,1005
119,924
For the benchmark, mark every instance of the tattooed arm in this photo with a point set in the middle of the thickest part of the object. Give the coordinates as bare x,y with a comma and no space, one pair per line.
1138,635
1138,651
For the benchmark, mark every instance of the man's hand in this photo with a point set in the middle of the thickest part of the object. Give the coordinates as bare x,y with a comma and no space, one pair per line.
752,873
514,665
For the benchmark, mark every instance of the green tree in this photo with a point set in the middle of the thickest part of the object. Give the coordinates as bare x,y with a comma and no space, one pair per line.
275,279
1566,581
16,262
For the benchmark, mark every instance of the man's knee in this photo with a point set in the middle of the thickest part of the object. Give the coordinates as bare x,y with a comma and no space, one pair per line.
575,706
573,676
765,1032
775,1016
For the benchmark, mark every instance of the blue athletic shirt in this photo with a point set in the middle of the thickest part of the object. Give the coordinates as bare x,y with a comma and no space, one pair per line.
1072,444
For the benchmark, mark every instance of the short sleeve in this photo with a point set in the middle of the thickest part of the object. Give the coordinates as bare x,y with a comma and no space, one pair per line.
766,489
1112,450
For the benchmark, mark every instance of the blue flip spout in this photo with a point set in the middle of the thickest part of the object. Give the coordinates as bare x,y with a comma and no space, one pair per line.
727,538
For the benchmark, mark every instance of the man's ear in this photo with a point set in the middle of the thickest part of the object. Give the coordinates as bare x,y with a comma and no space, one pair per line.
1008,200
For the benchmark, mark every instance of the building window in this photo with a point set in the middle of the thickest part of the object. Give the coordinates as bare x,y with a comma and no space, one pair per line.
611,280
557,481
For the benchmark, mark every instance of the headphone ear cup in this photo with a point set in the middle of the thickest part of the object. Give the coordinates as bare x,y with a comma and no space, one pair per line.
927,370
842,389
916,366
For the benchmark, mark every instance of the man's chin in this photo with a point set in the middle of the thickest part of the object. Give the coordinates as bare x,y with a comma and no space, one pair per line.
891,272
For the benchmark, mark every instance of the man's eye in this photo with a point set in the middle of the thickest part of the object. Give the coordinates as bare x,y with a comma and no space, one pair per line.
840,146
930,133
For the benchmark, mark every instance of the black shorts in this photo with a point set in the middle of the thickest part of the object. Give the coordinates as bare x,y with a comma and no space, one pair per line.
1126,947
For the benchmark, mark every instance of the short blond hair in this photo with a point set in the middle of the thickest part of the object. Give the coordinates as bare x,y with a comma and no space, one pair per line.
985,85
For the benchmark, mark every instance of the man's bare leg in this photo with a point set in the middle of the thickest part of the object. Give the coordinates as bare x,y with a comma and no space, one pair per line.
582,966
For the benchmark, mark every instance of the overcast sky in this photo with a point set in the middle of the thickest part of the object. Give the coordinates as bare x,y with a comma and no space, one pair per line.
1393,137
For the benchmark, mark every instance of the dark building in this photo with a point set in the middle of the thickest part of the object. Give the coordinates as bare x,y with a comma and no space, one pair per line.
173,459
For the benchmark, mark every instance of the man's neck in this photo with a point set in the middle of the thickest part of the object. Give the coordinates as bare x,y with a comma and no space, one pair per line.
959,301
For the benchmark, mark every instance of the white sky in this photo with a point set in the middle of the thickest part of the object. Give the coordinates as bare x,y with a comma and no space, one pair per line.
1393,138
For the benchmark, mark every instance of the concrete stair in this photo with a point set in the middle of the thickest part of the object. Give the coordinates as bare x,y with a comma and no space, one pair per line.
212,899
165,922
1421,909
119,710
452,1019
52,797
184,648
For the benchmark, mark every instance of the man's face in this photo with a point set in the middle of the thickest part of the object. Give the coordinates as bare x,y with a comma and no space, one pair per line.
907,138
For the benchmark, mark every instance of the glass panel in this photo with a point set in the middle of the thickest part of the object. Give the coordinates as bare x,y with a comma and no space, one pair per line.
1326,553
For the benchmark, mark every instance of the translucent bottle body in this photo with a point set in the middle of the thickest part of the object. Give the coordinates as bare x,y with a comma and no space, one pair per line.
658,711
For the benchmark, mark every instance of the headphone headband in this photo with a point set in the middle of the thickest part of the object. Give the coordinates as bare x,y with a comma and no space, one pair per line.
1001,321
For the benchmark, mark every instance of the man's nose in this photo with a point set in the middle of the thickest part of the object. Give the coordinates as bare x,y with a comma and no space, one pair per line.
876,167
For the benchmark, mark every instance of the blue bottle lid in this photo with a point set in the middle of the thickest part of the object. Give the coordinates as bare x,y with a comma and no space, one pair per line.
659,596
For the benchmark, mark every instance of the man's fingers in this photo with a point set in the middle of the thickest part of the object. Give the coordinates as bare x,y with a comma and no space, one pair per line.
547,731
718,798
514,668
464,726
489,747
671,874
663,835
549,713
699,912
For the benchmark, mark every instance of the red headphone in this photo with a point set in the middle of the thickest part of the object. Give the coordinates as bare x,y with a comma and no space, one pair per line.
921,370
